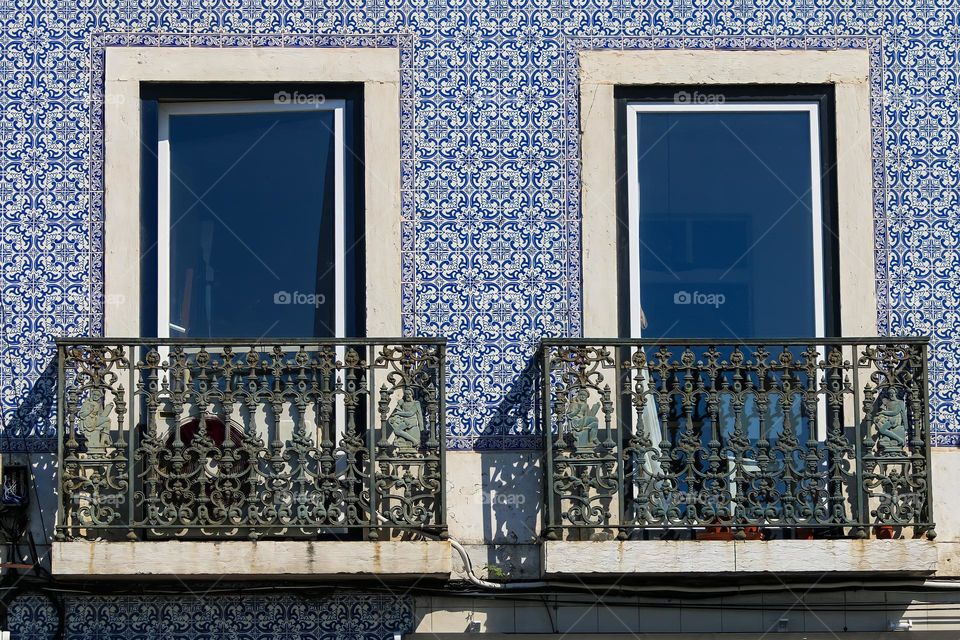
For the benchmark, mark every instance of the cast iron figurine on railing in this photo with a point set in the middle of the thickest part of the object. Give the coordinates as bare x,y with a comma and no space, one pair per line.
177,438
795,438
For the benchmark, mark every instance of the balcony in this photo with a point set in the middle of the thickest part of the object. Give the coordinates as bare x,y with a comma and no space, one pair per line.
702,456
229,456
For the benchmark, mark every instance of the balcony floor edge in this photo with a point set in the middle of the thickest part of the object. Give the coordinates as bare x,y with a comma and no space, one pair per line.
903,557
243,559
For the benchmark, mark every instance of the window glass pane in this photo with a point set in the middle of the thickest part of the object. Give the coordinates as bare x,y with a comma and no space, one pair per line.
726,224
252,199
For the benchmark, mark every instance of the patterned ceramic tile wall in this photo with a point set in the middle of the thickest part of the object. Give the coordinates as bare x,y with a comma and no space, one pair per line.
214,617
490,178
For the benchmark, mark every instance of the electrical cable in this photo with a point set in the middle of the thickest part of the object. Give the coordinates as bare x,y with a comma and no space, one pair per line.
322,589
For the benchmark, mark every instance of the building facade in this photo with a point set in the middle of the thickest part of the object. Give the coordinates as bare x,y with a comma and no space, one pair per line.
324,319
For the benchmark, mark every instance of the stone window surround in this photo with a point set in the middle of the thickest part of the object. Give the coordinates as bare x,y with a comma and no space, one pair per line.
846,69
379,71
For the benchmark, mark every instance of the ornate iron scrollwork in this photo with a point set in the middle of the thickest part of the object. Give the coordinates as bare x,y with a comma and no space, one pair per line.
242,439
820,437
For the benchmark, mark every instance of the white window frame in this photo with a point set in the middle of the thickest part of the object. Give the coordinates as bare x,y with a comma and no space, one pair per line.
167,109
634,186
377,68
848,70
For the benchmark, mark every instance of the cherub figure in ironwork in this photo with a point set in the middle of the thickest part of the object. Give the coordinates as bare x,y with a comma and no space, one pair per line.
583,419
891,424
95,422
407,421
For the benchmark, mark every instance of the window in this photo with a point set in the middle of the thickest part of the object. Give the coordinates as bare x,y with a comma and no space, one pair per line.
255,228
607,78
727,216
699,199
727,220
136,79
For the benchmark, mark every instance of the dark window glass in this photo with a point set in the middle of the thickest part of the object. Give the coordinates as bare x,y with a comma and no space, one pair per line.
726,224
252,199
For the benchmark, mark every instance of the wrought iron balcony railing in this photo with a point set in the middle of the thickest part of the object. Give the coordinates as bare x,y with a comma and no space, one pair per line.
221,439
796,438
